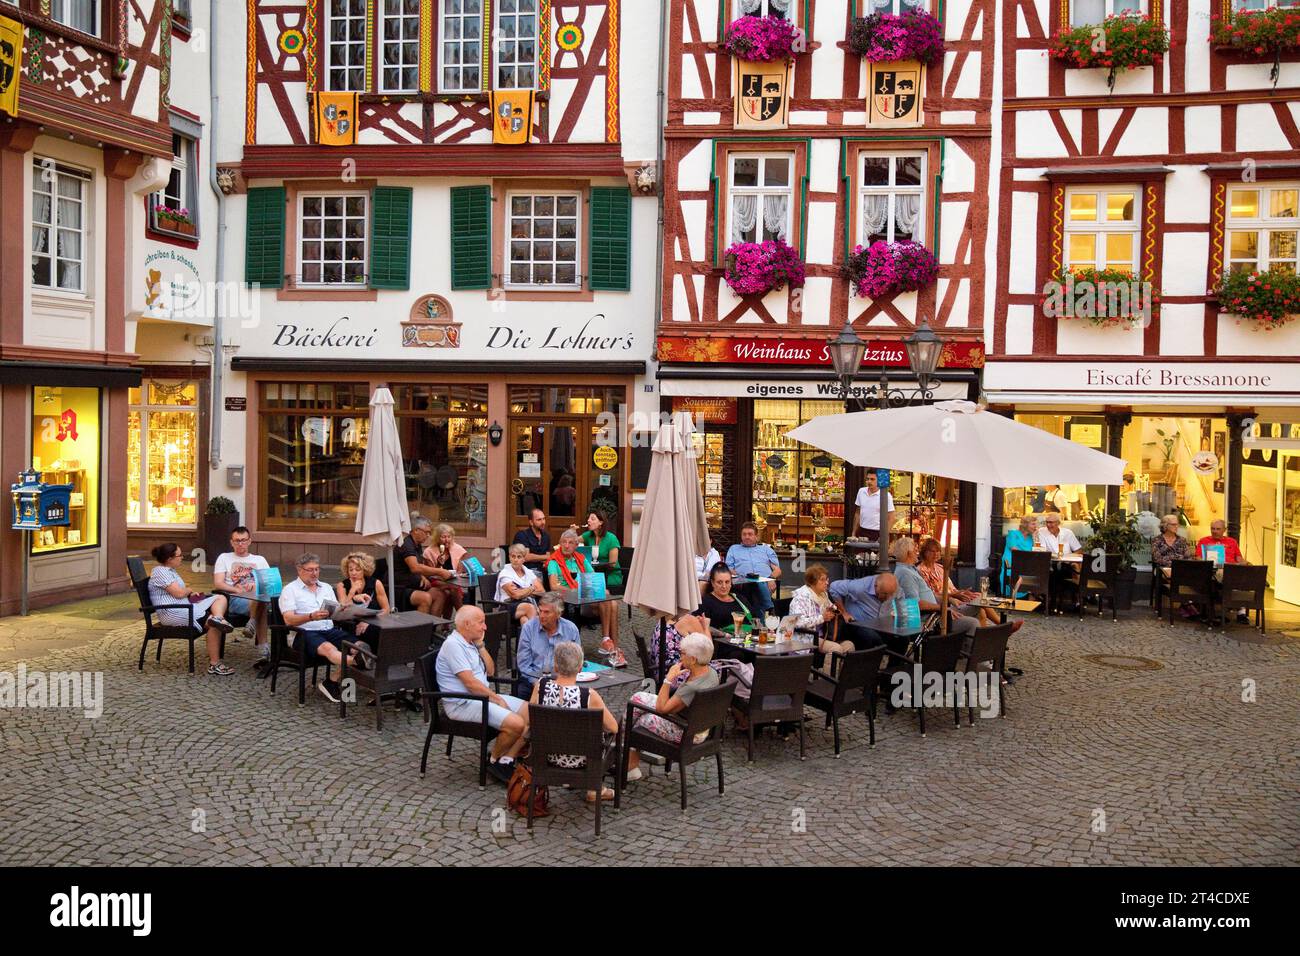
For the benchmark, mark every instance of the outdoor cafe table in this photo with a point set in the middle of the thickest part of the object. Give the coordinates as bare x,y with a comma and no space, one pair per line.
615,686
574,604
748,651
1019,604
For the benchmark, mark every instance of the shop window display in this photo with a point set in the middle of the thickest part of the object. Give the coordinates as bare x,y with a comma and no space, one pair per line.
443,431
162,454
65,449
798,489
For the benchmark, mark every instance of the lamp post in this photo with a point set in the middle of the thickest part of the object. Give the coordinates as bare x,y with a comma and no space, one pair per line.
924,348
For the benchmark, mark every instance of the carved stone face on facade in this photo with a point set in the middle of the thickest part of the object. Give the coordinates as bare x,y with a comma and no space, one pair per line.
646,178
226,179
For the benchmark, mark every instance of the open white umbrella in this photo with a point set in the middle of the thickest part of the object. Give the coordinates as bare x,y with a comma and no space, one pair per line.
382,514
674,529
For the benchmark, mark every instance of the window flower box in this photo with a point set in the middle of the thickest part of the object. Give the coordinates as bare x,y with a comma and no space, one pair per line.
888,268
1258,33
887,37
1269,299
762,39
174,220
1124,41
757,268
1106,298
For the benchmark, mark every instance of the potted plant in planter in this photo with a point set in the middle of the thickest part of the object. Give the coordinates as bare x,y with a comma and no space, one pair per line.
1258,33
887,37
220,518
1103,297
761,39
1127,40
173,220
888,268
1117,534
757,268
1270,299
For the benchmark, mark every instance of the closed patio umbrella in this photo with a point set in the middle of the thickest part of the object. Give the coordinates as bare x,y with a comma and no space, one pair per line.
673,531
382,513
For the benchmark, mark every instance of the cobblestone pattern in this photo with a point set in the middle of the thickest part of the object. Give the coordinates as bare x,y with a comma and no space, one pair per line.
1183,770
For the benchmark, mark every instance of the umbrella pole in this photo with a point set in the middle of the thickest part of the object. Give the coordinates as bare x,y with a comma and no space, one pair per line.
947,526
392,593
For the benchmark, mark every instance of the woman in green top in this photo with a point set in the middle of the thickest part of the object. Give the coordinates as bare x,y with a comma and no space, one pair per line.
606,546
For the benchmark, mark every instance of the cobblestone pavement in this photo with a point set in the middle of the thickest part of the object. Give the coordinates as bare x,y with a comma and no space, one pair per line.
1183,770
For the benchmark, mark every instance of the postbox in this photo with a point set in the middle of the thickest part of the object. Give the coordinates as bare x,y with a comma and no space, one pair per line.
38,505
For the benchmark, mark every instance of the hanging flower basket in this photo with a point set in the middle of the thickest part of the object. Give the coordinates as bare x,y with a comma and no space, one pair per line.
888,268
1106,298
1268,32
757,268
761,39
886,37
1126,41
1269,299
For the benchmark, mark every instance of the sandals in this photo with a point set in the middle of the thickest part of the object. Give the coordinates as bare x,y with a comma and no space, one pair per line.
222,625
606,793
219,670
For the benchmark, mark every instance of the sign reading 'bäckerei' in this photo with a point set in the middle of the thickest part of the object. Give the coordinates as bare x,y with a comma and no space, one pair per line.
1179,377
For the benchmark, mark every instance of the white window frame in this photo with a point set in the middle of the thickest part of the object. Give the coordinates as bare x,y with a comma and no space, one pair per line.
181,166
1101,227
895,7
892,190
764,9
498,61
332,47
1261,225
760,191
444,18
61,12
302,238
1109,9
383,17
145,410
578,275
52,228
1239,6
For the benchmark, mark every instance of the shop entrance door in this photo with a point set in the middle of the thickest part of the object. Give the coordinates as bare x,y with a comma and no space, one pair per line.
549,470
1286,583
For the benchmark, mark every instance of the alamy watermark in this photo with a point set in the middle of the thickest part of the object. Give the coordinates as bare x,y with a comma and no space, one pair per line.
975,689
70,690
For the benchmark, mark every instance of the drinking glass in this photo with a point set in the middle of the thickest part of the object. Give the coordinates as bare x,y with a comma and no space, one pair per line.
984,588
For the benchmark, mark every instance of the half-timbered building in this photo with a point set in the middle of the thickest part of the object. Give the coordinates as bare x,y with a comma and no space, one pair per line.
1170,174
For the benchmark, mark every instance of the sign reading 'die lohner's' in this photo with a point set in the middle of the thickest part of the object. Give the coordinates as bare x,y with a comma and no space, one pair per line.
349,337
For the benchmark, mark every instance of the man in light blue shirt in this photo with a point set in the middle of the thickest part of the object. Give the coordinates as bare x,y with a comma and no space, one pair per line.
860,601
750,557
537,641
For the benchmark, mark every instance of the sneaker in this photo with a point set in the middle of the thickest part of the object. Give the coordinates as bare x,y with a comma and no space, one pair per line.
219,670
501,771
360,662
1243,617
331,690
264,651
224,626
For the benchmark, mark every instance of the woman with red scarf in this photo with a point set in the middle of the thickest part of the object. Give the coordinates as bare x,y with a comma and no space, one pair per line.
563,570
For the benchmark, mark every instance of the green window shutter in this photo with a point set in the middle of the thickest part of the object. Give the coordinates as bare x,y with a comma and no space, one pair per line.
264,239
390,238
471,237
611,239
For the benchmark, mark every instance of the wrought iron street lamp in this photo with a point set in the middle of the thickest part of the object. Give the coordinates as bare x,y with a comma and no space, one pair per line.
924,349
847,352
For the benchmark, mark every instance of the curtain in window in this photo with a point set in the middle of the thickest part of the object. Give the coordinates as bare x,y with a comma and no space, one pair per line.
81,15
875,216
775,215
906,210
1087,12
40,215
882,6
744,216
780,6
751,6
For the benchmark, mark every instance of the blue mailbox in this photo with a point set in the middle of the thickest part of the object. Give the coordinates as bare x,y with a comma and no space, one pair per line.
38,505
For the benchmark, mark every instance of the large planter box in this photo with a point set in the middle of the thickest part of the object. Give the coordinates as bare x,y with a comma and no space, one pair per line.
216,534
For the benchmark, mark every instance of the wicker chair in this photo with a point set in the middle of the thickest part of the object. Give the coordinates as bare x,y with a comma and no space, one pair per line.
389,670
153,631
643,655
940,655
1244,588
706,714
284,655
554,731
1099,583
440,723
1031,571
777,694
851,691
989,647
1191,580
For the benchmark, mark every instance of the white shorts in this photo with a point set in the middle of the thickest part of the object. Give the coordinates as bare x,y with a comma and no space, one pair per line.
471,711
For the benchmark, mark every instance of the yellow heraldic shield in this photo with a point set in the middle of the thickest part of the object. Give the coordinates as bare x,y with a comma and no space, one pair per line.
512,116
11,64
336,118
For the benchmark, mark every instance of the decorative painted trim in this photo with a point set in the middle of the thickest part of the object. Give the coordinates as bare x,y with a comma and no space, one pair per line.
373,40
250,81
485,74
1058,228
165,59
119,67
312,34
1149,253
544,46
612,132
427,52
1218,209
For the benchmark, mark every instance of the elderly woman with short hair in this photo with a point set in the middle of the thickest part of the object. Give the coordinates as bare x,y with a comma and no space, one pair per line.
444,555
518,585
1019,539
817,613
561,689
1169,546
687,678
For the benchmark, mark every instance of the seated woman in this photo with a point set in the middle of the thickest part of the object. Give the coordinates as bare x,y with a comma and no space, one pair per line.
1020,539
166,586
912,586
687,678
563,690
931,571
360,586
1169,546
565,569
673,634
606,548
445,559
518,585
812,603
719,602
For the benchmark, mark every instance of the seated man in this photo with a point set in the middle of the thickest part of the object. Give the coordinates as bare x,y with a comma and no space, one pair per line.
537,640
411,574
302,604
752,557
911,585
1057,540
537,540
463,667
860,601
1231,553
235,573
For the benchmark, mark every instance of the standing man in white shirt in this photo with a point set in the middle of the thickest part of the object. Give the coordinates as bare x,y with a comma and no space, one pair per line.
873,502
236,573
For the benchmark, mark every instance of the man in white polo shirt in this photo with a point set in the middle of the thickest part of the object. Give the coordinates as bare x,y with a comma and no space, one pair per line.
236,572
1055,539
303,606
871,502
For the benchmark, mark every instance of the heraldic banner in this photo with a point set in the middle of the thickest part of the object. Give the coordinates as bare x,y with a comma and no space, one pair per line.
894,94
11,64
762,95
512,117
335,118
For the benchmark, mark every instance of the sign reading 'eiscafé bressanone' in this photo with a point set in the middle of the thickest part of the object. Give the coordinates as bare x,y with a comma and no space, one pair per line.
1181,377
